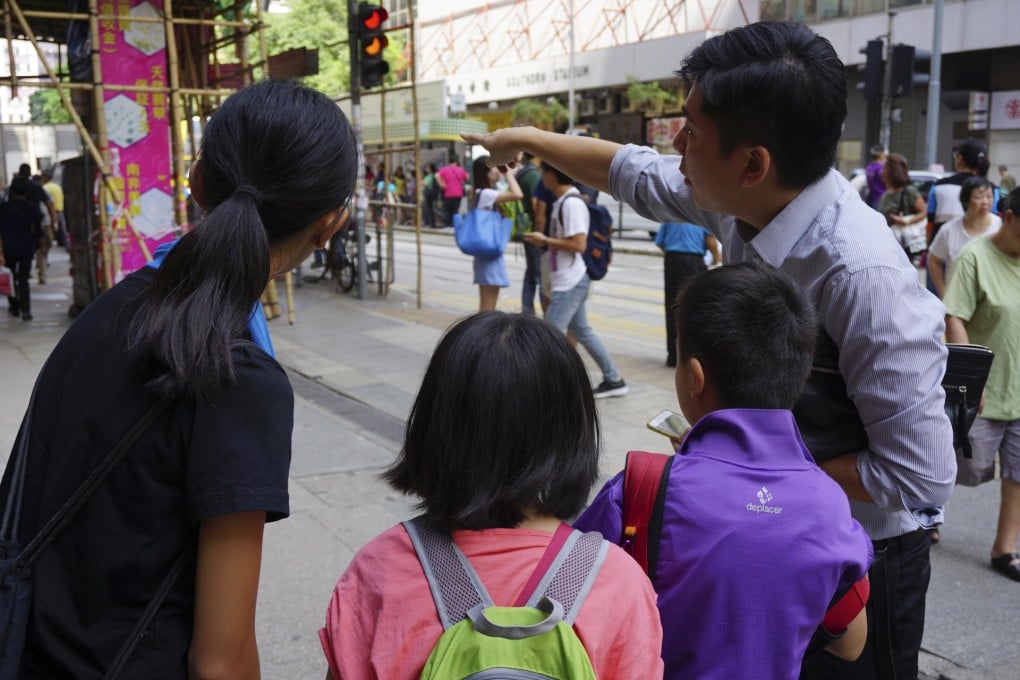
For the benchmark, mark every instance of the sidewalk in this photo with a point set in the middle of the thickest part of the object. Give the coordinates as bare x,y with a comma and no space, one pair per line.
355,367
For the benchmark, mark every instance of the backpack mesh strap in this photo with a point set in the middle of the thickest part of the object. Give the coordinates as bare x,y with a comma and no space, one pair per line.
454,583
573,573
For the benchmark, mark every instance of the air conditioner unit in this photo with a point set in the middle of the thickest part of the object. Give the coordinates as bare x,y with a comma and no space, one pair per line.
609,103
588,107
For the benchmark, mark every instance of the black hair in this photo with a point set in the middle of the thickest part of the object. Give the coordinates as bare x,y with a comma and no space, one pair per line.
275,157
25,170
876,150
969,186
974,155
504,422
479,176
19,186
753,332
561,177
1010,201
776,84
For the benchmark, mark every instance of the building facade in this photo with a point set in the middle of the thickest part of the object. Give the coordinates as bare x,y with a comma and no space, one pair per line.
495,53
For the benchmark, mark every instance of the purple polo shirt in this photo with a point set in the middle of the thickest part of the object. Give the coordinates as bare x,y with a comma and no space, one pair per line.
876,185
756,541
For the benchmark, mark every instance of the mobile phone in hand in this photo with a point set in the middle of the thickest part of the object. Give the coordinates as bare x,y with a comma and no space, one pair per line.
670,424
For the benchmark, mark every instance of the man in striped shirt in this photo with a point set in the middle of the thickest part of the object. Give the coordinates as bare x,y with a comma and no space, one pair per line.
765,110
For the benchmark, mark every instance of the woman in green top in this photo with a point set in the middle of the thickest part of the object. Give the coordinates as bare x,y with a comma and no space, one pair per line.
903,206
983,306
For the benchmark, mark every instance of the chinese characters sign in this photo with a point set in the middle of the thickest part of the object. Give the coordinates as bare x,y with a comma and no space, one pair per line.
1005,110
133,53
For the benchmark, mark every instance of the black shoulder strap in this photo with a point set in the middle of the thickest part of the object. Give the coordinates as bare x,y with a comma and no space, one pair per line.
128,648
63,516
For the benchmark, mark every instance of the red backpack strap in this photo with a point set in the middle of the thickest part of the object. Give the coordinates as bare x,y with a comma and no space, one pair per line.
644,497
563,531
846,609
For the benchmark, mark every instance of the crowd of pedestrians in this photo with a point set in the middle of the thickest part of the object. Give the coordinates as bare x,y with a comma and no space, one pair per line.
502,444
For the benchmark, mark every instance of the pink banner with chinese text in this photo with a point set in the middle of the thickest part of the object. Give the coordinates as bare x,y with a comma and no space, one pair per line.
137,129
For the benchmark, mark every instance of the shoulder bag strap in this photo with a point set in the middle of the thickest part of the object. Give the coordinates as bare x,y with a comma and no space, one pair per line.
138,632
455,585
67,511
559,538
644,498
845,610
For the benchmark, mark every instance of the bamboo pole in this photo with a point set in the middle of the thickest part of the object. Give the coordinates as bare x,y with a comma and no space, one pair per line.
109,248
78,16
116,87
176,116
263,51
241,46
9,32
417,146
386,194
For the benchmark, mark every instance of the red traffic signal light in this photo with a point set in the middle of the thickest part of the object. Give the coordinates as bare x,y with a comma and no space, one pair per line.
371,43
371,17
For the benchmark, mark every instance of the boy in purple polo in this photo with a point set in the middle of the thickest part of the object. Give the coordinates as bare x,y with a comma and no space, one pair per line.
757,541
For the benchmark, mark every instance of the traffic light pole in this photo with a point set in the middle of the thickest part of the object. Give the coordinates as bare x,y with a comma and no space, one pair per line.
931,128
886,133
361,198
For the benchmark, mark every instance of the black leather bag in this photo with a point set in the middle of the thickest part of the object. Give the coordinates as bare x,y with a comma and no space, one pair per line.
966,374
828,420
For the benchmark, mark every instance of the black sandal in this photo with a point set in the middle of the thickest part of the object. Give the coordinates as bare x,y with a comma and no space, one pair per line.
1008,565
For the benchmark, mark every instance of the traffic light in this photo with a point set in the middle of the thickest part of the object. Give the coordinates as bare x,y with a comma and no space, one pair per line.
901,80
873,70
905,61
372,42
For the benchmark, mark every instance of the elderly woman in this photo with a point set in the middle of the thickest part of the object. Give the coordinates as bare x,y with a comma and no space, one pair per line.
977,220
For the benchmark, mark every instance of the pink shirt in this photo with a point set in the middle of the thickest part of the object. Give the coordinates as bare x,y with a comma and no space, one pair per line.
382,622
453,177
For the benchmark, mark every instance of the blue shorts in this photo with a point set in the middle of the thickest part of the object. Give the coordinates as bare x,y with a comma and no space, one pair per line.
491,271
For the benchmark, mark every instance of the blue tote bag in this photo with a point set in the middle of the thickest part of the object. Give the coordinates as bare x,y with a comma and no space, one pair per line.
482,233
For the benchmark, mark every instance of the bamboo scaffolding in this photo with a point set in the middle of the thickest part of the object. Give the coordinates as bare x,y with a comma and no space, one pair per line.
200,99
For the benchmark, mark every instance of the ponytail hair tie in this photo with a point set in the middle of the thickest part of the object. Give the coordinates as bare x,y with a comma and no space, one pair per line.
249,190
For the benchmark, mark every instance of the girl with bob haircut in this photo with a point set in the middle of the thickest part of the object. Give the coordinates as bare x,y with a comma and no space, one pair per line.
179,350
502,446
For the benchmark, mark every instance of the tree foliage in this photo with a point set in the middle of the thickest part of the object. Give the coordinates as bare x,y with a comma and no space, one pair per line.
45,108
315,23
548,115
648,96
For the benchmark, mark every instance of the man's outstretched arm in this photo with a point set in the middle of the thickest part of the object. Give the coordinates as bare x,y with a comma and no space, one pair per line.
585,159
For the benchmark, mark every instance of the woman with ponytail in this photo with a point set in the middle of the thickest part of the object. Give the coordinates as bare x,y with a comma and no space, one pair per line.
179,351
